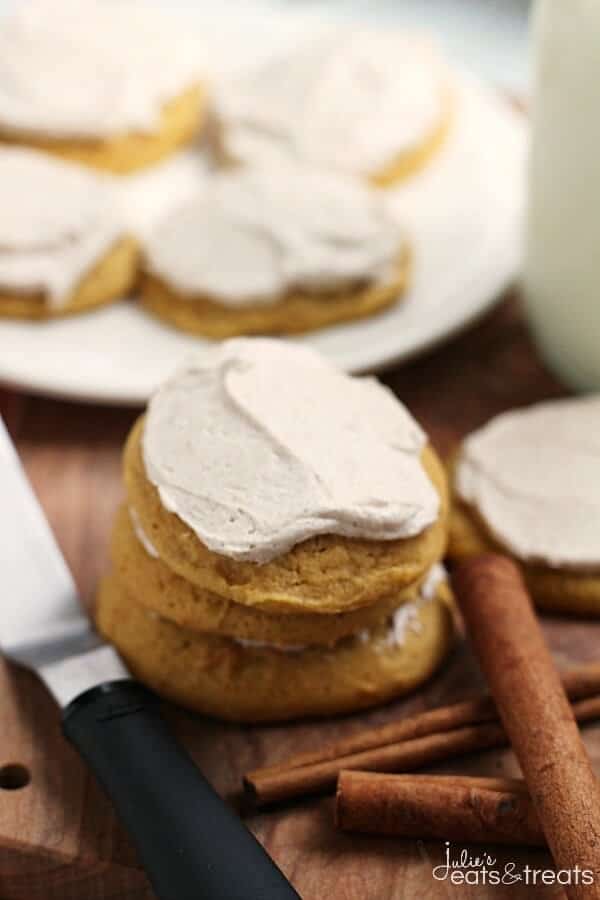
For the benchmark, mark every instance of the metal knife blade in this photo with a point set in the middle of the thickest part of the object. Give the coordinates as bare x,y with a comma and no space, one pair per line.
42,623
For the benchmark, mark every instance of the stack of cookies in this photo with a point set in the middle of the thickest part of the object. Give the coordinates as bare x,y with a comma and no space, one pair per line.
279,552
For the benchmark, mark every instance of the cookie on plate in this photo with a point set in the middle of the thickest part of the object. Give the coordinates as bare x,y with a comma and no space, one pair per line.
110,85
374,104
275,248
282,518
527,484
62,247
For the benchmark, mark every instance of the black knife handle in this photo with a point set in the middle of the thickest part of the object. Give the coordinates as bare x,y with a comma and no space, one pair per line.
192,846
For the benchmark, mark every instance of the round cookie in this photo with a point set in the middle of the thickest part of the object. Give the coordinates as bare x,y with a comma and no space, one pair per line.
219,677
569,593
327,573
179,121
526,484
372,103
412,161
309,248
62,247
111,278
296,313
99,84
143,575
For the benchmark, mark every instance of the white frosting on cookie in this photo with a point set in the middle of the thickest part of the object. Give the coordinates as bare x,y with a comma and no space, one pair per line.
260,444
57,221
353,101
141,535
434,578
406,618
254,234
91,68
533,475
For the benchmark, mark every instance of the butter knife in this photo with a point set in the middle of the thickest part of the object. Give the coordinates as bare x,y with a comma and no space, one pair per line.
192,846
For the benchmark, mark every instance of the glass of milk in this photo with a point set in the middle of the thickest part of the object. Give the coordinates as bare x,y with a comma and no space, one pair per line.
562,269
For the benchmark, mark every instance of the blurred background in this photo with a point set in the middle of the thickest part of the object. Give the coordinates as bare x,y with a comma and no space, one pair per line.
489,36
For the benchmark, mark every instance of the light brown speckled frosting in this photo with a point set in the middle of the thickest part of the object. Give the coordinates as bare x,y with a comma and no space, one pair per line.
255,233
533,475
260,444
352,100
57,220
91,68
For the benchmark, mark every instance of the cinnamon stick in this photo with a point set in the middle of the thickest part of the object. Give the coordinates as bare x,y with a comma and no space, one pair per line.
582,681
438,807
534,709
277,784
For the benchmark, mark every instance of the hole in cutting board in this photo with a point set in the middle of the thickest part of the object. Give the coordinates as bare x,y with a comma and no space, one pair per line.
13,777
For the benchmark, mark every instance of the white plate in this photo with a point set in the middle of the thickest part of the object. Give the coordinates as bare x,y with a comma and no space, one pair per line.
464,217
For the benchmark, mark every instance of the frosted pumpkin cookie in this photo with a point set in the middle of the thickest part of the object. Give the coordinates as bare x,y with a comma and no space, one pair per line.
377,104
233,680
142,574
528,483
111,85
264,475
278,248
62,248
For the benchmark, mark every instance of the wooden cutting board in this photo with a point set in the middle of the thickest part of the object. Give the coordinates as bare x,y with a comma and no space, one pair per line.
59,839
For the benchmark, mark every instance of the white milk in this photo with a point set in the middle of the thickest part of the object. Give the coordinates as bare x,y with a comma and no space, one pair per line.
562,274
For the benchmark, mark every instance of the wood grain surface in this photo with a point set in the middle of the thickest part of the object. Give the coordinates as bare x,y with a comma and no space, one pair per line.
71,453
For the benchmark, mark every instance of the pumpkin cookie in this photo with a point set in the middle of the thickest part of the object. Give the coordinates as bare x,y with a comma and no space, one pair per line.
267,477
278,553
279,248
97,83
527,484
62,249
140,571
377,104
221,677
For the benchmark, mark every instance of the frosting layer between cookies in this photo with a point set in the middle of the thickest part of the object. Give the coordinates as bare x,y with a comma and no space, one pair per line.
353,100
141,535
258,445
57,221
533,476
405,619
254,234
90,68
